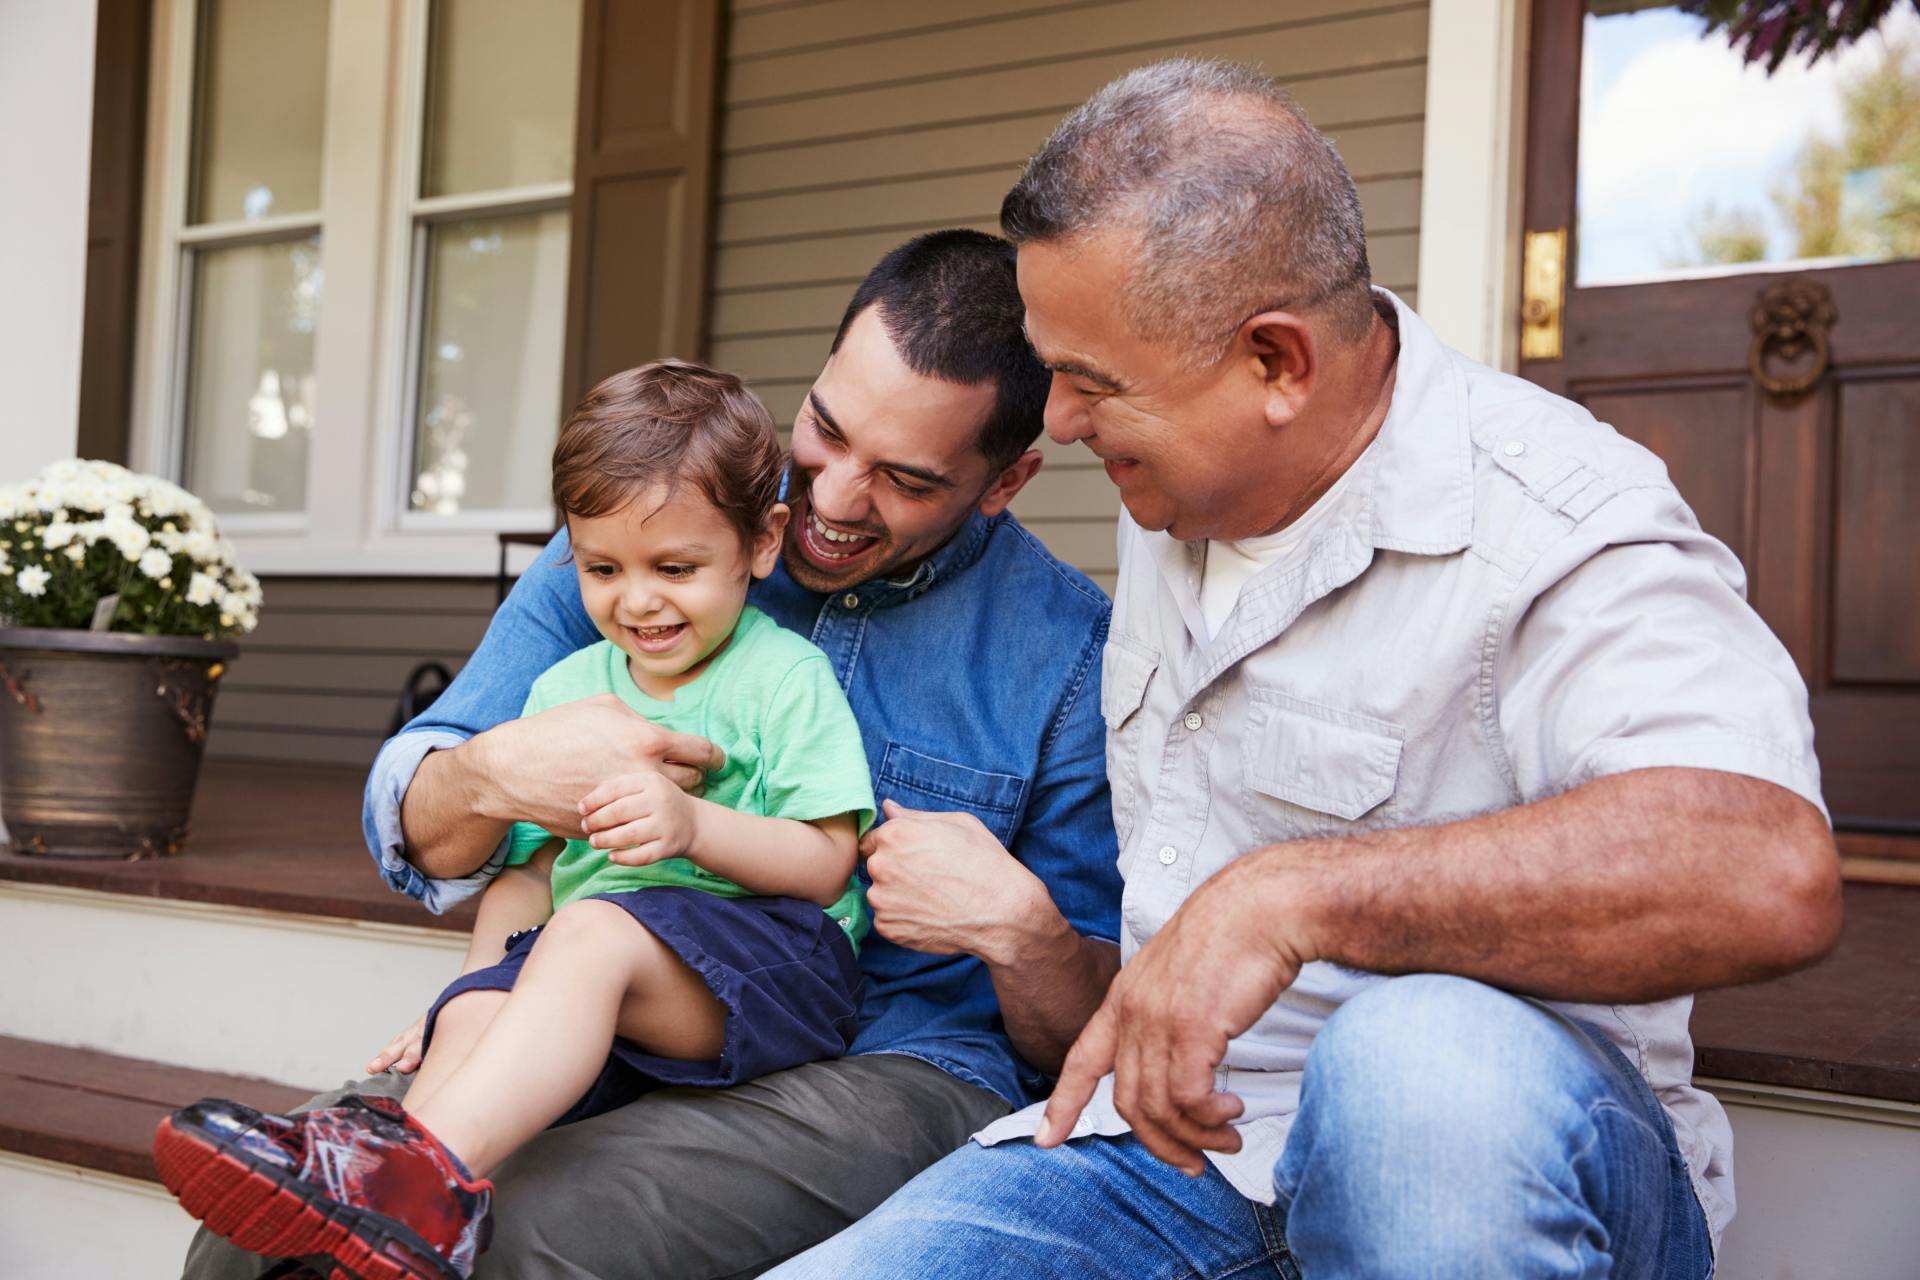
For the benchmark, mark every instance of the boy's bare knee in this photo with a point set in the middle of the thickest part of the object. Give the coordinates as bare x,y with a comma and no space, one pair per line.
469,1007
590,921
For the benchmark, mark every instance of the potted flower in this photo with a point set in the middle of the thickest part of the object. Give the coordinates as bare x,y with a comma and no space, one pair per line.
118,596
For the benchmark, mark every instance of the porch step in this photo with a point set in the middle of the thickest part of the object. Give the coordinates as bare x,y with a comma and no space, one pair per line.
78,1193
270,948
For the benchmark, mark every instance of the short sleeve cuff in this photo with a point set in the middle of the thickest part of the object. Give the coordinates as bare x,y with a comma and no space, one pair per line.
392,774
1728,753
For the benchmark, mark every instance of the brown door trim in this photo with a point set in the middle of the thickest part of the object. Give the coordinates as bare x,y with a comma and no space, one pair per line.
122,45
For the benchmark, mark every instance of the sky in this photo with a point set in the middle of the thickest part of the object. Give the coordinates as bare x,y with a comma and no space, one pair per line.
1671,120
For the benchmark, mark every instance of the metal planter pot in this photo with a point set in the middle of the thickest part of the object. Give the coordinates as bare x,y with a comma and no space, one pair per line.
101,735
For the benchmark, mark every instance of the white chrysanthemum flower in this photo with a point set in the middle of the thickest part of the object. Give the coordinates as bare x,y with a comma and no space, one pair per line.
58,534
156,564
77,552
32,580
232,604
129,537
202,590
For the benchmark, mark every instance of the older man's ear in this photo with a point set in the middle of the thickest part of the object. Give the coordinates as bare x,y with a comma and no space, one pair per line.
1279,349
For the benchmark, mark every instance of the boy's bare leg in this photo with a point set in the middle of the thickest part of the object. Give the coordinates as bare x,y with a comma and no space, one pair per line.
455,1032
595,972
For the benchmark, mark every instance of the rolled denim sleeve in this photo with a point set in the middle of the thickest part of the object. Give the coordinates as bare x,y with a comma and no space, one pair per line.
541,622
393,771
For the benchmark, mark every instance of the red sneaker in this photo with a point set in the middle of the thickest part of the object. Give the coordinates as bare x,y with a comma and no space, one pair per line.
361,1183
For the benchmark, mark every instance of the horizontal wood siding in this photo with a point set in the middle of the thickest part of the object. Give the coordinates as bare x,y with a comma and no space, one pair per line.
847,126
850,125
319,680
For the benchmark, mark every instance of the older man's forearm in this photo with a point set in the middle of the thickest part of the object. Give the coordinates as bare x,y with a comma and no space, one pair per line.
1049,980
444,814
1634,887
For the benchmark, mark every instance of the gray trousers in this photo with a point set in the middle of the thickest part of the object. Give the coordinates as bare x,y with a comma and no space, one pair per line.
697,1184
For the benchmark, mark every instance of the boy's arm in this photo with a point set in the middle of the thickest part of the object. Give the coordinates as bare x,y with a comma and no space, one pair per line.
778,857
641,818
520,897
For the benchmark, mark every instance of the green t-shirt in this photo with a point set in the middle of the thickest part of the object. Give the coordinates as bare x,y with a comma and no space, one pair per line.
769,700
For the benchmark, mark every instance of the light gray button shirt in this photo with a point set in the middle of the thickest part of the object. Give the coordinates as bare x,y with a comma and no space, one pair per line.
1511,600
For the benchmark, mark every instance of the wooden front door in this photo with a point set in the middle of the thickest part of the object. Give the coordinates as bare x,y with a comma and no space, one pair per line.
1746,303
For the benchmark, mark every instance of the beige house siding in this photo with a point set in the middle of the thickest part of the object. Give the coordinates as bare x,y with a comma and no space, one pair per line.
850,125
320,677
847,126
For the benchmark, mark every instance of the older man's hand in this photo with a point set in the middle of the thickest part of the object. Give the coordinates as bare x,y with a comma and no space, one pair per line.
543,766
943,884
1204,978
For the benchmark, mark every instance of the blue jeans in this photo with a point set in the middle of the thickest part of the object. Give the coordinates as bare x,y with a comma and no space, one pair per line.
1445,1129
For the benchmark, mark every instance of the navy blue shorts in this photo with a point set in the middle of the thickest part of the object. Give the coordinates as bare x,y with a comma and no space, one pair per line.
782,967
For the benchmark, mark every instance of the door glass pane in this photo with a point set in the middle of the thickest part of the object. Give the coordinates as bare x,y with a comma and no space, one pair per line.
490,363
1694,163
250,381
262,72
500,94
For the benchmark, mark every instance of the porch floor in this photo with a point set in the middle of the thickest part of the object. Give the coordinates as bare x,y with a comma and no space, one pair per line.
287,838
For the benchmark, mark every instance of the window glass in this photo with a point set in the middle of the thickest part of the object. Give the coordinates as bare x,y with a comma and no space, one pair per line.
250,384
1693,162
261,78
493,329
501,76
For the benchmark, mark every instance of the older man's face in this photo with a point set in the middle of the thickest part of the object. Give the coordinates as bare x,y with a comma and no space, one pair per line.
1190,449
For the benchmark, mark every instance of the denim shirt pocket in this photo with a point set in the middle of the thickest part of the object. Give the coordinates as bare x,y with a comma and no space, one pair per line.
1334,764
921,781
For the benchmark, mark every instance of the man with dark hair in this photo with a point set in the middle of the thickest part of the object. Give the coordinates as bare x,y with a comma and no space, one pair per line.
971,658
1446,758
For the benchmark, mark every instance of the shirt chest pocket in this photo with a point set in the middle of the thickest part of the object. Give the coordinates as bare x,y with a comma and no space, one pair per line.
1314,770
1125,672
921,781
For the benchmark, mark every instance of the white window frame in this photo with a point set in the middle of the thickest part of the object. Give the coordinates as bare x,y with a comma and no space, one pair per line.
373,231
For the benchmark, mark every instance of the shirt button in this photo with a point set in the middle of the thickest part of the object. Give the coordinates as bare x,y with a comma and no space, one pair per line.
1193,722
1513,448
850,600
1167,854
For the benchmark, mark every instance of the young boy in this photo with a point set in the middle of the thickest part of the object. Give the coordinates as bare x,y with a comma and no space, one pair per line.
686,941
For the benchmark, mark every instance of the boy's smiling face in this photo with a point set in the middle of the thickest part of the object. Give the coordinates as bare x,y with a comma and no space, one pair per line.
665,578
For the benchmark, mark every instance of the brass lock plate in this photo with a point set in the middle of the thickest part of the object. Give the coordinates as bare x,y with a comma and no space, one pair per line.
1543,294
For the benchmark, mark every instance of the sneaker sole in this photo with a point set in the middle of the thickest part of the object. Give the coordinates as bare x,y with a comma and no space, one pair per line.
267,1211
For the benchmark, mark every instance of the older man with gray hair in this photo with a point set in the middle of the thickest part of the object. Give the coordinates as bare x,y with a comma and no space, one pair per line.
1446,757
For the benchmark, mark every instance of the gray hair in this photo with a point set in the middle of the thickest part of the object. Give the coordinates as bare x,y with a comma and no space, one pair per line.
1238,210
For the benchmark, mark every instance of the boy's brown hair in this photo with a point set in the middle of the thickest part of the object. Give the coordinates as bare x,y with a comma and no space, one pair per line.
665,423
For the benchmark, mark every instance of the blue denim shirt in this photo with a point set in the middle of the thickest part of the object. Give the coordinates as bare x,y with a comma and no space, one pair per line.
976,682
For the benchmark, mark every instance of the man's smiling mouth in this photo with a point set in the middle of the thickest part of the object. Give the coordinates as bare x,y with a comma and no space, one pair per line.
826,544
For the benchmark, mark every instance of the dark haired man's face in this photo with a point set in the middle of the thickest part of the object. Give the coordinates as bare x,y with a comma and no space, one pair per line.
886,465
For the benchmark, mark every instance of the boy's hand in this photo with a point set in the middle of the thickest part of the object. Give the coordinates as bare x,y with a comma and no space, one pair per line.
639,818
402,1053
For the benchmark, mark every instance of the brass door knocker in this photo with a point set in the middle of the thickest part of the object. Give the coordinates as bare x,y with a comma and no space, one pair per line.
1789,321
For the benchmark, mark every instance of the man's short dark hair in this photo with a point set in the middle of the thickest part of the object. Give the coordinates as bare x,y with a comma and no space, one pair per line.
951,306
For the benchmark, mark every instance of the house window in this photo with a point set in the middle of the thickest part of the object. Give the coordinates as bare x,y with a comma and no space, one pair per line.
352,334
250,246
490,240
